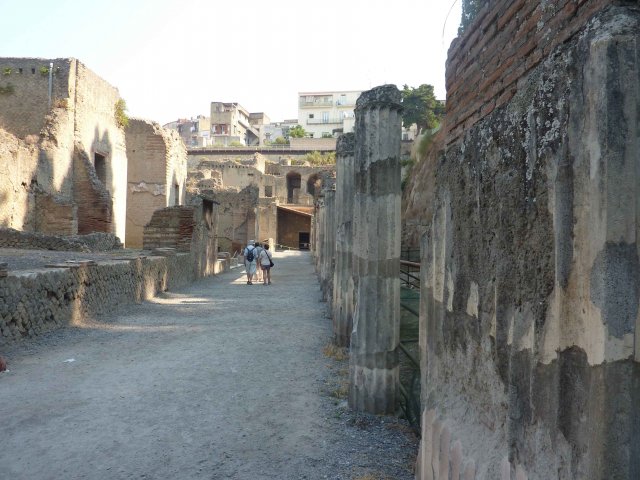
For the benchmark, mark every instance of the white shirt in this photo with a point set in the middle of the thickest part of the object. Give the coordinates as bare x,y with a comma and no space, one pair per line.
265,257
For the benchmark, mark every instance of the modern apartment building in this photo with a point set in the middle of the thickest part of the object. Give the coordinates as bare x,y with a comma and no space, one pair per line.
233,124
195,132
327,114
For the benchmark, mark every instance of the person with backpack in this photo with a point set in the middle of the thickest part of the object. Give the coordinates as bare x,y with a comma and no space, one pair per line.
266,263
250,261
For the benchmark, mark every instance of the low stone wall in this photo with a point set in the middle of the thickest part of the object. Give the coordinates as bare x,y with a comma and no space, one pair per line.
93,242
33,302
11,238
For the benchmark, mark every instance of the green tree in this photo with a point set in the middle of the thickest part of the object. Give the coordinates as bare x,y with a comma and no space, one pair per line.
421,107
122,119
470,9
280,141
297,132
316,158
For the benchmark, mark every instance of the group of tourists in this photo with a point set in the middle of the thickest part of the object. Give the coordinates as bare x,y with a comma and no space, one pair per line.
258,261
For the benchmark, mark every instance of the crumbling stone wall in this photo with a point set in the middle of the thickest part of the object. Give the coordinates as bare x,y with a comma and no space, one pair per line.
186,228
417,207
25,105
157,163
79,124
96,132
530,270
18,164
94,200
33,302
236,216
93,242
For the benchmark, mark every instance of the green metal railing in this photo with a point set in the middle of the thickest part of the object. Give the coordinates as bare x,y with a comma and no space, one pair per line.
409,333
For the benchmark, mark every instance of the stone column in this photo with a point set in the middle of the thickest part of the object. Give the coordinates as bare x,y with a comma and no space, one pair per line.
342,308
319,224
376,252
328,253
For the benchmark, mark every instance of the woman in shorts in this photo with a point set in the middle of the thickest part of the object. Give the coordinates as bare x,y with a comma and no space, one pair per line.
264,258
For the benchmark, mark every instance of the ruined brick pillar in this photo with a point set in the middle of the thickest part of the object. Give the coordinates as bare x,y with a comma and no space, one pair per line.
376,251
342,306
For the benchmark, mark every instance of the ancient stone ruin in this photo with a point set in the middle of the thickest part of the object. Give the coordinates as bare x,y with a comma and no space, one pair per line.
530,278
73,180
61,156
260,198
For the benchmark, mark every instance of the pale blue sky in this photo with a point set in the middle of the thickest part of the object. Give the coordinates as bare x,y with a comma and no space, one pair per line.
172,58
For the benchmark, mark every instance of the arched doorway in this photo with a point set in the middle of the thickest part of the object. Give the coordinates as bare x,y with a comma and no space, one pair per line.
314,185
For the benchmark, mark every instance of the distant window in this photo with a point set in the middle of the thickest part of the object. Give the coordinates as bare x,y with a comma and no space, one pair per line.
20,71
311,115
325,117
176,190
33,70
268,191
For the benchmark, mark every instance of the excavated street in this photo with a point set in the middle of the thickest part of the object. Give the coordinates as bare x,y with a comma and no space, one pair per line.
220,380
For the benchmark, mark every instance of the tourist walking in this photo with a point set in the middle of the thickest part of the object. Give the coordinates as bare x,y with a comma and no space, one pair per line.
265,259
256,253
250,261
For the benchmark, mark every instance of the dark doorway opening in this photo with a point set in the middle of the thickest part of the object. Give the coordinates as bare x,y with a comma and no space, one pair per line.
303,240
293,187
100,165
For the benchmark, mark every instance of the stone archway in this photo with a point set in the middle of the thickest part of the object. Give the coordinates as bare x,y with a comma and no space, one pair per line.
314,185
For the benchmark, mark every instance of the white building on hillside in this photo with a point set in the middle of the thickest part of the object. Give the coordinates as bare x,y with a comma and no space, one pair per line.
327,114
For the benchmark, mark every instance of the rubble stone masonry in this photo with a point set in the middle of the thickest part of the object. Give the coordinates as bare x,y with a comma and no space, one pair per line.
530,270
33,302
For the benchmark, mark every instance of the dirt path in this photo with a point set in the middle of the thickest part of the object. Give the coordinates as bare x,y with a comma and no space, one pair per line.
220,380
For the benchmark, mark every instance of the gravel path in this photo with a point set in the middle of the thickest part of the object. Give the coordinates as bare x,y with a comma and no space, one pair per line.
220,380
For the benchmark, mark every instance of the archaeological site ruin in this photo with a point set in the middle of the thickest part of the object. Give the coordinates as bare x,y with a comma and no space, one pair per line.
490,296
524,212
77,175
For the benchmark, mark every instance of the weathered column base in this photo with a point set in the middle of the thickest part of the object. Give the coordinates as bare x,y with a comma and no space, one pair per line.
373,390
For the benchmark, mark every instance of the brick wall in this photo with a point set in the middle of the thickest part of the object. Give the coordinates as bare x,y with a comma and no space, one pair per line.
96,132
170,227
157,162
289,227
505,42
55,215
95,208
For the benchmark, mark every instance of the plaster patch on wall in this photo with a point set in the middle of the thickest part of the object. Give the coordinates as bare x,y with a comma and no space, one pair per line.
153,188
